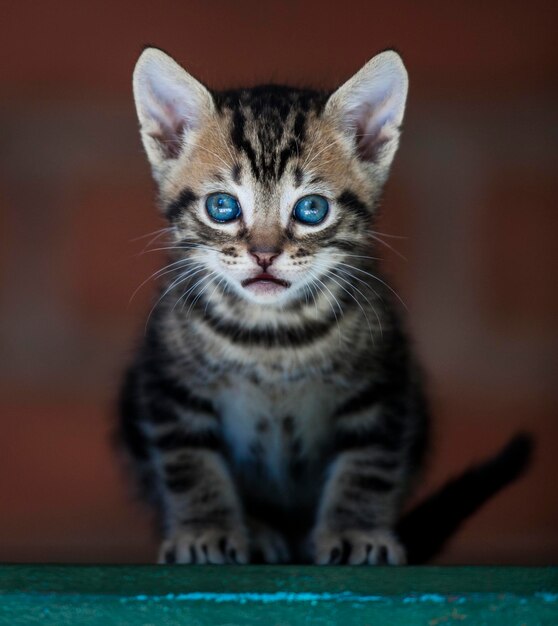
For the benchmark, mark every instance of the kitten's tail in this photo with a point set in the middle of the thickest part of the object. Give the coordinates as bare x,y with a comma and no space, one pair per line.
426,528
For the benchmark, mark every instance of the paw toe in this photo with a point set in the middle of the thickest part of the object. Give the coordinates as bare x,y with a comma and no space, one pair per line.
210,546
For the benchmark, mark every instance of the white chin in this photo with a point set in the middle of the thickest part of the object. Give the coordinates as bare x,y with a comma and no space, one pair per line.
265,291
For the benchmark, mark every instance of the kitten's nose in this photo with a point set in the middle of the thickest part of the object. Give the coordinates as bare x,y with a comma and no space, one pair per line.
264,255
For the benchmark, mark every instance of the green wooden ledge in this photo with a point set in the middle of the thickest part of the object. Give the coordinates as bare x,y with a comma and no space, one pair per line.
277,596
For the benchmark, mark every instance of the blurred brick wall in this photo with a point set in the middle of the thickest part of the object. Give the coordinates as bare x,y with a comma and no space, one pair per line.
473,193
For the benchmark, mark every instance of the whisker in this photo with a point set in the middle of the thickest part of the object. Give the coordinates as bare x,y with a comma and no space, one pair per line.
307,163
313,291
173,285
321,284
234,158
167,269
212,293
353,297
387,245
356,256
353,277
154,239
181,247
312,294
188,291
330,274
378,279
390,236
153,232
227,165
209,279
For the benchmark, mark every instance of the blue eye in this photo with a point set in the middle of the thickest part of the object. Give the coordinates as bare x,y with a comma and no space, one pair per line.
311,210
222,207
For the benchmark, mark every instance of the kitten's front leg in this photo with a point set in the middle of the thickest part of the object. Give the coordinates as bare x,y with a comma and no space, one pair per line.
203,513
358,509
180,455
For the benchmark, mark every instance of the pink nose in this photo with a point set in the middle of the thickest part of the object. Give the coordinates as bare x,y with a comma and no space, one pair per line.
264,256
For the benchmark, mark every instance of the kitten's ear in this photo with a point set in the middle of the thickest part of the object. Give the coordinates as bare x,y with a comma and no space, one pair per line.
370,107
169,103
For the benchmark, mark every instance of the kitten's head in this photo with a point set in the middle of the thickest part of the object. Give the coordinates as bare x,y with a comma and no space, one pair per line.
269,189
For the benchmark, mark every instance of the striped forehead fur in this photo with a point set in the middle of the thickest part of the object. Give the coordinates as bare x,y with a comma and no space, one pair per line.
268,136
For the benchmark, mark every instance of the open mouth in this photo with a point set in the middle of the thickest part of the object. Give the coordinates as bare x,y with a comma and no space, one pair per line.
264,278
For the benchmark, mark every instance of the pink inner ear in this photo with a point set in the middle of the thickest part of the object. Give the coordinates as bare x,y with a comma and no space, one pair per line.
169,139
168,110
372,130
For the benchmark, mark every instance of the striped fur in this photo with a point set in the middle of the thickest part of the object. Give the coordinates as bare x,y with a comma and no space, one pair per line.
287,425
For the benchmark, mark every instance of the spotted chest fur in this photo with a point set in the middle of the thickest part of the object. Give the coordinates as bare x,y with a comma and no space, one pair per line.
274,410
275,435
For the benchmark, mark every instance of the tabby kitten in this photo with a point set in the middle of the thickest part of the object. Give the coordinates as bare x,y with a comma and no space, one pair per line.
275,411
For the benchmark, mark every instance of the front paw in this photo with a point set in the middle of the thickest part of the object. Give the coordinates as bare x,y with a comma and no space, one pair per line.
357,547
205,546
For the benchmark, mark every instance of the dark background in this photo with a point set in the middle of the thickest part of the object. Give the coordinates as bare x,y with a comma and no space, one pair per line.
473,193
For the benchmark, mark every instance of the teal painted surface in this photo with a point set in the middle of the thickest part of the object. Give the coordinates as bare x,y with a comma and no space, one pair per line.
277,596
